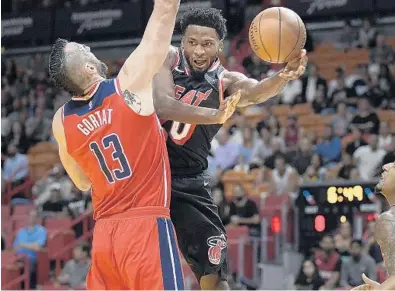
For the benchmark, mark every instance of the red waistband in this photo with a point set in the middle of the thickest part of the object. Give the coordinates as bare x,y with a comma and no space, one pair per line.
150,211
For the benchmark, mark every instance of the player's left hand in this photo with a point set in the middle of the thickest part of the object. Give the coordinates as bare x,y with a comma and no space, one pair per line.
369,284
295,68
227,107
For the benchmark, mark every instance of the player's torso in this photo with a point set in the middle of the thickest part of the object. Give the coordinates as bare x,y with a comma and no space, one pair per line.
188,144
122,153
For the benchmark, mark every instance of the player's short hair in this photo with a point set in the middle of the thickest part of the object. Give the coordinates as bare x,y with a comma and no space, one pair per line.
207,17
57,68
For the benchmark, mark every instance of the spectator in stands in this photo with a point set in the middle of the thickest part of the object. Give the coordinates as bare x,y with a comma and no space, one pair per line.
382,53
309,277
16,166
56,206
342,94
80,203
328,262
226,155
310,84
357,80
31,239
367,34
390,156
302,158
366,119
223,206
375,94
318,165
371,246
341,120
291,92
246,148
352,270
368,158
330,147
18,137
244,211
273,125
348,37
255,67
75,270
232,65
343,239
291,133
332,86
357,140
263,148
346,167
284,179
38,127
385,137
321,104
277,151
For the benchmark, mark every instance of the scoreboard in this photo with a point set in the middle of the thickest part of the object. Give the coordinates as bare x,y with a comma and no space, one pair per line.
322,207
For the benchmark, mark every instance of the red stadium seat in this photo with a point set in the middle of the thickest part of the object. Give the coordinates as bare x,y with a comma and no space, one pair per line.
23,209
58,223
5,212
234,235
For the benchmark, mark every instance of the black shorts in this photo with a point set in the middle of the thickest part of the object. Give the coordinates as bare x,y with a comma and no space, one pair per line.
200,232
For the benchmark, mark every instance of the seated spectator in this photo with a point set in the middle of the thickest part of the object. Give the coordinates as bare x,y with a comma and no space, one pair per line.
318,166
284,179
18,137
332,86
220,201
366,119
38,126
357,141
367,34
348,37
277,151
321,104
385,137
226,155
255,67
291,133
273,125
244,211
368,158
309,277
343,239
382,53
263,146
16,167
375,94
310,84
330,148
371,246
340,120
342,94
328,262
56,206
346,167
360,263
31,239
246,148
291,92
75,270
80,202
302,158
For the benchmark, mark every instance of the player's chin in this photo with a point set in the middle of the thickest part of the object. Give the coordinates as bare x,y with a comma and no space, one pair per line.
379,186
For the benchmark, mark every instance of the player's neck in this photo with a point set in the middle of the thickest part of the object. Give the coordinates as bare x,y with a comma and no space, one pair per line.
90,91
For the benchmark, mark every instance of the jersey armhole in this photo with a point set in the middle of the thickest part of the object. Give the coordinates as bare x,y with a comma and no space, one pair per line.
176,60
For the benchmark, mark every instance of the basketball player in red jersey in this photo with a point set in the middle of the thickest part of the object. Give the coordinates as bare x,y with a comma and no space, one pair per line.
110,141
384,232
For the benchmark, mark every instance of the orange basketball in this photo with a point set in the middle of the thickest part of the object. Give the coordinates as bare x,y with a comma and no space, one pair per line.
277,35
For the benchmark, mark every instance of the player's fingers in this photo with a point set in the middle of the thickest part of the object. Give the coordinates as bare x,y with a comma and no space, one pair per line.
369,281
303,53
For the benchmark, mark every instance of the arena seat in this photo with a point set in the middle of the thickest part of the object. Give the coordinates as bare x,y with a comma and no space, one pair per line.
234,234
5,213
23,209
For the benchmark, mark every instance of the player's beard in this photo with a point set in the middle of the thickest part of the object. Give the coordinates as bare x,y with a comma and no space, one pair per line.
380,184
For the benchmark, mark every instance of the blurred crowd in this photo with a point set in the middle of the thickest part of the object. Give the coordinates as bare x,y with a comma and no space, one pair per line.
284,154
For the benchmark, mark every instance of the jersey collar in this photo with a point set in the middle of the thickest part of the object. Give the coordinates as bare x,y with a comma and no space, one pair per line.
92,90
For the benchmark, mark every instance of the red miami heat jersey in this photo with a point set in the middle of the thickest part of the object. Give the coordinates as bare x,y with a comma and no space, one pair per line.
123,154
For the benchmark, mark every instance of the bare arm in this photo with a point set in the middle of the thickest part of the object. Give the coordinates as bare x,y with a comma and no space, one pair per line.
385,235
255,92
168,108
72,168
136,75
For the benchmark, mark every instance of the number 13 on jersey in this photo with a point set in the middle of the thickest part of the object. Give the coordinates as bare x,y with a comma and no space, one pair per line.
112,173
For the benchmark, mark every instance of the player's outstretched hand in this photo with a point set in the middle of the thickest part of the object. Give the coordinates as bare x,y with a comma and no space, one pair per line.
369,284
228,107
295,68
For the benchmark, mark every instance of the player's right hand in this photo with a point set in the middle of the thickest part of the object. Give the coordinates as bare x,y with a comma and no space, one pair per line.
370,284
227,107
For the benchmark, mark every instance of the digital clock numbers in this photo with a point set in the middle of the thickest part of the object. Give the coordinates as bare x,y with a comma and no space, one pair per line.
339,194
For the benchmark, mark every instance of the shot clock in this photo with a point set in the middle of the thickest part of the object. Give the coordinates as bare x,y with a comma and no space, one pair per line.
322,207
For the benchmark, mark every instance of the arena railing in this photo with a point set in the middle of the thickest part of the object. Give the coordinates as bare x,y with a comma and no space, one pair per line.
21,263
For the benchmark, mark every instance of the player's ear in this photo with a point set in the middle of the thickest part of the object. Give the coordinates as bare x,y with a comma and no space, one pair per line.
90,68
221,46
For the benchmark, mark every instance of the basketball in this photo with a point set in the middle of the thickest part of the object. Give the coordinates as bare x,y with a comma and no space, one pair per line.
277,35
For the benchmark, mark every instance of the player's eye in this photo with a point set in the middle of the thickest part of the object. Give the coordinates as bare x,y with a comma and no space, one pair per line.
191,42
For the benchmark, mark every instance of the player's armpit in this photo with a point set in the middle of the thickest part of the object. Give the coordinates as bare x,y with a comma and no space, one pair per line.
385,235
72,168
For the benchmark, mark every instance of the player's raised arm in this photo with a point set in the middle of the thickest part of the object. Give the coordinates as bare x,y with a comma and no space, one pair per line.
170,109
73,169
135,76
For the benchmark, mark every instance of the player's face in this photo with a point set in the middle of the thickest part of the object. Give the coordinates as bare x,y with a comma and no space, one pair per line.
92,63
201,47
386,184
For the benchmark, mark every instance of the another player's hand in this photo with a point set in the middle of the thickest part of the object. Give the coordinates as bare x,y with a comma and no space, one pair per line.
295,68
227,107
369,284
